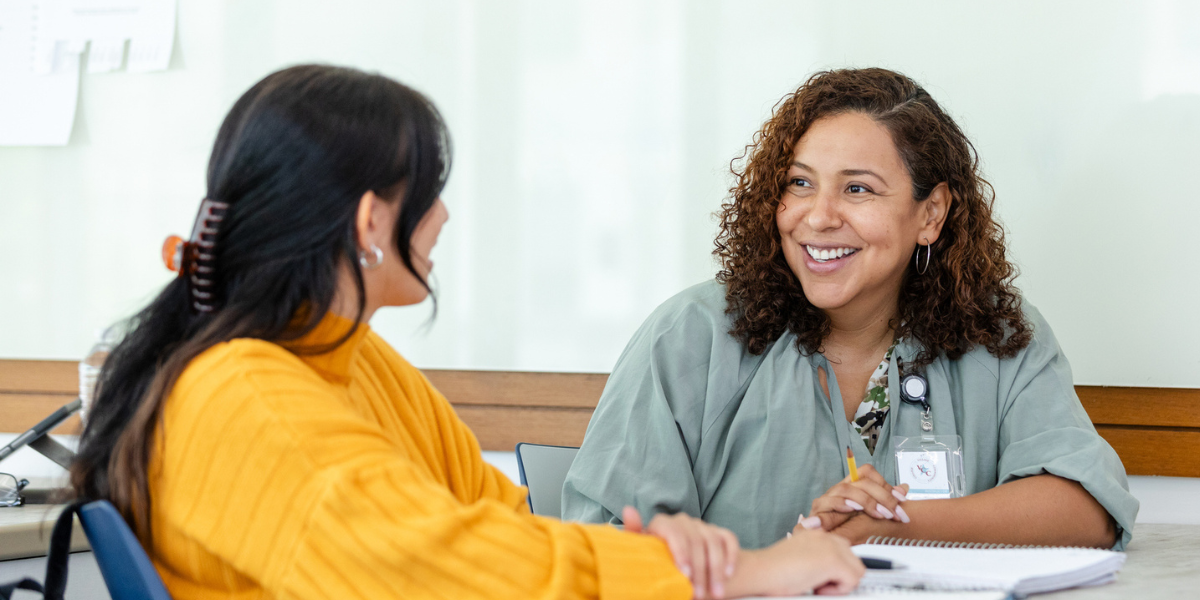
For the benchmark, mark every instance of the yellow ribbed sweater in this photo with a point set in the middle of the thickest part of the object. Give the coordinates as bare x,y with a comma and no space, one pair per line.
347,475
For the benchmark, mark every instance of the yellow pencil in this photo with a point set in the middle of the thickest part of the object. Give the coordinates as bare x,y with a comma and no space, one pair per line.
850,463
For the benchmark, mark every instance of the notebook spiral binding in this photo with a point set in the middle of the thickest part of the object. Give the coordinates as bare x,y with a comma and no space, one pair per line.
895,541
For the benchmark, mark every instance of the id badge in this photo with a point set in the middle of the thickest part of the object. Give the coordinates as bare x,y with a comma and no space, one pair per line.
931,466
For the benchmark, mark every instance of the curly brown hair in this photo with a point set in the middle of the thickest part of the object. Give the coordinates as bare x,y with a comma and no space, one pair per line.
966,297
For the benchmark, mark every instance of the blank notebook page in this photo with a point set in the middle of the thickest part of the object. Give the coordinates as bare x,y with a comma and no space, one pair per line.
1021,570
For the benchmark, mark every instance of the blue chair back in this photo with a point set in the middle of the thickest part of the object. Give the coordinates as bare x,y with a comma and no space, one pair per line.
543,470
127,570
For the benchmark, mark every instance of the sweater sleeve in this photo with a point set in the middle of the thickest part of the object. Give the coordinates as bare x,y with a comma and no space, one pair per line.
385,530
469,477
306,499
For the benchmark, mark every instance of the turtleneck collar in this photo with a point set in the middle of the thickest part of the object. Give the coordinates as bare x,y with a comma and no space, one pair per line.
331,364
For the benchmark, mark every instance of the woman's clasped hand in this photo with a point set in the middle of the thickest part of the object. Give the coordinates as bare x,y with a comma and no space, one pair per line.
871,495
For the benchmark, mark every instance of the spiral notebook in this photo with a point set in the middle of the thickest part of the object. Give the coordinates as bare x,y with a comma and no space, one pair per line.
1017,570
904,594
909,594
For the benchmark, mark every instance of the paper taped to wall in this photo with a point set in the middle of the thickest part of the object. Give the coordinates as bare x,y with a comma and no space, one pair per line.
42,44
36,109
148,25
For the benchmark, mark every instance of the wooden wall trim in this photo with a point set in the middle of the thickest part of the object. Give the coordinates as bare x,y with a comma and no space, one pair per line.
32,389
503,427
519,388
44,376
1165,451
19,412
1157,407
1155,430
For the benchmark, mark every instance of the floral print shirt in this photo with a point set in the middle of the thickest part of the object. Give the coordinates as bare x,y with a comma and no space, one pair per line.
868,419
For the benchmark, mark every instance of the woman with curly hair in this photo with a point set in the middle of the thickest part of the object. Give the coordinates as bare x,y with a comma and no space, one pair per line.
858,248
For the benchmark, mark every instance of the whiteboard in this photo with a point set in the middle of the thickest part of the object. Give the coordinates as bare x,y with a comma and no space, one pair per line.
592,144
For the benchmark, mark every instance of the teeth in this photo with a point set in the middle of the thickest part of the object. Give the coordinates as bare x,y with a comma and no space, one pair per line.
825,255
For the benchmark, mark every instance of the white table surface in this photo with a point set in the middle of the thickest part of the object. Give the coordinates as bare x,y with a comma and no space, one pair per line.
1163,561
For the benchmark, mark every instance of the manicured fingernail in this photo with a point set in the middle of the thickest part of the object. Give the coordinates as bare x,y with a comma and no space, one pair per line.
887,514
800,518
899,496
729,567
789,534
853,504
686,570
718,591
811,523
903,515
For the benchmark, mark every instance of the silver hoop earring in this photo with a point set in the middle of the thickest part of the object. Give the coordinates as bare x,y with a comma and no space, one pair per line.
928,256
376,253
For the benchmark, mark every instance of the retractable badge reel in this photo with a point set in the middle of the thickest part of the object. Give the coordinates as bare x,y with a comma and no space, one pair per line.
931,465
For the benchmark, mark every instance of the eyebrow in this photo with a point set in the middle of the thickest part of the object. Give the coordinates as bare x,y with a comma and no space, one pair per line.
850,172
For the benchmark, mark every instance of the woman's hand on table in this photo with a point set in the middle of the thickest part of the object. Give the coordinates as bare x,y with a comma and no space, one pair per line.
871,495
807,562
704,553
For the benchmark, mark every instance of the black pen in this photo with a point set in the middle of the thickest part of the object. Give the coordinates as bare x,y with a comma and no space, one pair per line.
881,564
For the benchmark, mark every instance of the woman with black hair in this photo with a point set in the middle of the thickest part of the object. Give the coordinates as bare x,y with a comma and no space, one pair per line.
264,442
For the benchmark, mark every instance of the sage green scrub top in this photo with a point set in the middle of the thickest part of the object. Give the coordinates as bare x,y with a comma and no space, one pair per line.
691,422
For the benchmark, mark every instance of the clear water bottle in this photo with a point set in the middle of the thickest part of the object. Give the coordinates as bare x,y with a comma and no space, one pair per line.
89,367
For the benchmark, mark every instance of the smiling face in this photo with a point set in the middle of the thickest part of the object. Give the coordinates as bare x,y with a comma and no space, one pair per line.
847,219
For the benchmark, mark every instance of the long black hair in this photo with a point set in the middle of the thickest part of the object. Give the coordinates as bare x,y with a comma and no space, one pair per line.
292,160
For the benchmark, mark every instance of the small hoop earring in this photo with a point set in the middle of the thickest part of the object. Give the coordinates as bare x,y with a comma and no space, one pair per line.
376,253
928,256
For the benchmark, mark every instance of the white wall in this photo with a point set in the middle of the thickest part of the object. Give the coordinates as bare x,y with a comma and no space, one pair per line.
592,145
